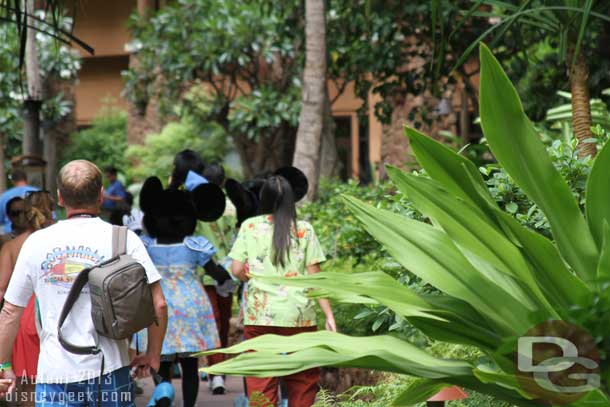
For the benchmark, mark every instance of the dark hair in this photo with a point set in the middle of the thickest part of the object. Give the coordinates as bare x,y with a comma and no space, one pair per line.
215,173
111,170
185,161
277,199
18,175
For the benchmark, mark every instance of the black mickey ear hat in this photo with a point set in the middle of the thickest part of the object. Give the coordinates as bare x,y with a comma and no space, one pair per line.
150,194
168,214
296,178
244,200
209,202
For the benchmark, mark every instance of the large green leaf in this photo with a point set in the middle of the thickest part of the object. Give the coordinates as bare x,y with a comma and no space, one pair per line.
439,316
274,355
418,392
459,323
459,176
358,287
560,286
445,166
487,247
603,268
430,254
598,194
516,145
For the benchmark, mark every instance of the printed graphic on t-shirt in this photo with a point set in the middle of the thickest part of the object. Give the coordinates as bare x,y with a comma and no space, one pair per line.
62,265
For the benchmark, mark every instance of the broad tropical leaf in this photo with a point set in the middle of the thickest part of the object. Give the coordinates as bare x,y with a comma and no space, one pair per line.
598,195
284,355
445,166
516,145
455,173
418,392
430,254
478,239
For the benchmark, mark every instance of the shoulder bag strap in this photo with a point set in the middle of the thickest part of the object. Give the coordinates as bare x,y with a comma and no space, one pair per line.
119,240
75,291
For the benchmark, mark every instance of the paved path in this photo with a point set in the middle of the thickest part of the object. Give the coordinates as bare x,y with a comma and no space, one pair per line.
205,399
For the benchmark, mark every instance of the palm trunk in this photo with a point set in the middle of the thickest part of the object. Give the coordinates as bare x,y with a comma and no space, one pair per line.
2,167
31,137
581,110
311,119
329,161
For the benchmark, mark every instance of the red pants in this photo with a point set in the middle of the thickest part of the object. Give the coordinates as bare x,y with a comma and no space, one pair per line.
222,315
302,387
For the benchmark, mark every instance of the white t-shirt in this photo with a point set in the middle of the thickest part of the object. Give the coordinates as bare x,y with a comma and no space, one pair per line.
48,263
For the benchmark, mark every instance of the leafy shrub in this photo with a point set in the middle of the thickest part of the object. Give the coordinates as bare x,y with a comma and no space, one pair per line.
103,143
156,156
340,234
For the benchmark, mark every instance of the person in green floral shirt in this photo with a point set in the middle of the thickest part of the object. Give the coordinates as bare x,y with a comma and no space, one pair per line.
276,244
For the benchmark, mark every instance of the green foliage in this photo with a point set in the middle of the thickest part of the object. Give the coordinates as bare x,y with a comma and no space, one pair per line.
156,155
57,62
342,236
103,143
236,64
496,278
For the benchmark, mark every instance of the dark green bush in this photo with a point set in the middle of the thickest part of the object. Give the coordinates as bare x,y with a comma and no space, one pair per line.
104,143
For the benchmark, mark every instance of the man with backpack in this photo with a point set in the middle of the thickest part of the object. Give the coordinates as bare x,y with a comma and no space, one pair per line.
48,266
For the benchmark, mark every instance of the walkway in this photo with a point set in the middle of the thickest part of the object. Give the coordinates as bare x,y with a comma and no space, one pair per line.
205,399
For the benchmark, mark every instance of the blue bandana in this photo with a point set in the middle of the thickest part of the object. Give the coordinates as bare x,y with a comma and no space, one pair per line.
193,180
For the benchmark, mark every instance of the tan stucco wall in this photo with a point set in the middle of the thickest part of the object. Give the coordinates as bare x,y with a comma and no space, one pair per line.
100,82
103,25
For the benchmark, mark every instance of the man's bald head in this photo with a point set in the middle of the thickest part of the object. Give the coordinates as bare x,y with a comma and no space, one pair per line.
80,184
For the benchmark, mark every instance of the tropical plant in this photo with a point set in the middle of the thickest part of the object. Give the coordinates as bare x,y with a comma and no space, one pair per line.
572,22
560,117
497,279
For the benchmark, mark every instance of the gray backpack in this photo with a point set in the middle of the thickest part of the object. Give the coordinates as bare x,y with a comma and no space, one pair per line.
121,299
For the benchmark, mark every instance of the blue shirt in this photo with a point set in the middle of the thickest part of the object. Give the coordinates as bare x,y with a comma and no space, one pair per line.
114,189
15,192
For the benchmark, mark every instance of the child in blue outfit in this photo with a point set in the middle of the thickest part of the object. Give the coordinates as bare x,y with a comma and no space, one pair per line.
170,218
191,327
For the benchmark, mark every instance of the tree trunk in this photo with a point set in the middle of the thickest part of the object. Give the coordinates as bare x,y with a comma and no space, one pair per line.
329,161
464,117
581,110
2,167
50,156
309,134
31,137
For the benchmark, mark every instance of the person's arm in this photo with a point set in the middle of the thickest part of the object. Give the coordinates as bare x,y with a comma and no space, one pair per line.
156,332
324,303
6,269
114,198
9,321
216,271
239,270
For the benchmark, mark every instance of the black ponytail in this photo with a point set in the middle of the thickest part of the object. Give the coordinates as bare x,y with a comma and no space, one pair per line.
277,199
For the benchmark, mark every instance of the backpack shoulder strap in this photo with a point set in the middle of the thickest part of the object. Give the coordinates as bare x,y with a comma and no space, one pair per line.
119,240
77,287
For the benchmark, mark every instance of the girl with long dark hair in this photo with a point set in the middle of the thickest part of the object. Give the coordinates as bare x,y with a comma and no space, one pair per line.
275,243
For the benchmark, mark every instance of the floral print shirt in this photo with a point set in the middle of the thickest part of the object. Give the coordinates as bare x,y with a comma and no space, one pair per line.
272,304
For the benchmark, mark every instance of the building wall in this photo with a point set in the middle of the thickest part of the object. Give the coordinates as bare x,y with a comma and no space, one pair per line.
103,25
99,84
